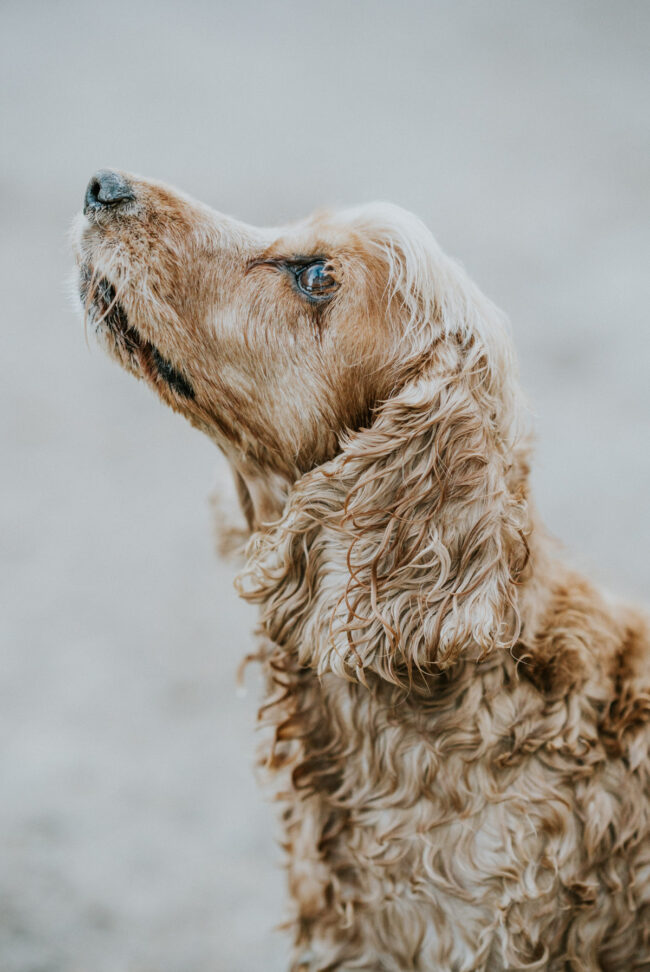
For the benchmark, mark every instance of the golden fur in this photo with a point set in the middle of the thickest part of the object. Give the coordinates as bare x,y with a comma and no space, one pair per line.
459,723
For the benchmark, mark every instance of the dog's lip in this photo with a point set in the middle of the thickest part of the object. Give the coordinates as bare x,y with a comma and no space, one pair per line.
103,299
111,314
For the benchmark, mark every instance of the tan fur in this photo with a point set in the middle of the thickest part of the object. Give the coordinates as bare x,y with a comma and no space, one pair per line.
459,724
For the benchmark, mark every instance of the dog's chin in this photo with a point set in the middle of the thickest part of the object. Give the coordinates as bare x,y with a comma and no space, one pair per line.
123,342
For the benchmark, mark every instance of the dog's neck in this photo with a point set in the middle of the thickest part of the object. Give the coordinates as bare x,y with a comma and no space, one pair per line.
300,596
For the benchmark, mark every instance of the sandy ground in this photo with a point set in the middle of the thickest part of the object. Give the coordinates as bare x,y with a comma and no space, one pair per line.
133,836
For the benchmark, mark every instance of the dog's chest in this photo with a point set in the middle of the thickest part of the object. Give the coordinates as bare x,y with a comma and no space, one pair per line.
418,814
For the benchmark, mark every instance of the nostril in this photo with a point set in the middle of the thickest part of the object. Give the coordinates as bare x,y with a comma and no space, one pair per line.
107,189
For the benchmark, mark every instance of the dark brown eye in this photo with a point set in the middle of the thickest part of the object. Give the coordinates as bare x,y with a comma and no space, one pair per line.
315,281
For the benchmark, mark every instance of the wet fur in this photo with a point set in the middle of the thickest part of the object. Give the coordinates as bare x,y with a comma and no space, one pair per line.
457,723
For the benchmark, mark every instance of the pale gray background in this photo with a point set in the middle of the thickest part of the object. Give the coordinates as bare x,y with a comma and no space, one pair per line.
132,835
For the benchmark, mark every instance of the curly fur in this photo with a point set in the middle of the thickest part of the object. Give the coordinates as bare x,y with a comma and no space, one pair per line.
459,723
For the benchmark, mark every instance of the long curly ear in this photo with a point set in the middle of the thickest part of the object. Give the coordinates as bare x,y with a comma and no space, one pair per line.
404,552
436,514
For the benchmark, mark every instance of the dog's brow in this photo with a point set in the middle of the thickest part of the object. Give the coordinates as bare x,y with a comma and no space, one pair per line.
288,262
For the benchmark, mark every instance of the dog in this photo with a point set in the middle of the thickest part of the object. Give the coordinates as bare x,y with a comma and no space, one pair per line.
460,722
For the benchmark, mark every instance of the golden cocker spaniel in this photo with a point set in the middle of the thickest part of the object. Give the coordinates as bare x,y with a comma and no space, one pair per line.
461,723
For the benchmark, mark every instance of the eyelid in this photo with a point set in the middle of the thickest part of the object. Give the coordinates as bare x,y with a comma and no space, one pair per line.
289,263
261,262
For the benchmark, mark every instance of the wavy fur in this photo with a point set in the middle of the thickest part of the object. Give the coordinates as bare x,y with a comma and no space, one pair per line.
459,724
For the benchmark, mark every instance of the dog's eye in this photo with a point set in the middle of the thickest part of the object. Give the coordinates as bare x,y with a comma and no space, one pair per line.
315,281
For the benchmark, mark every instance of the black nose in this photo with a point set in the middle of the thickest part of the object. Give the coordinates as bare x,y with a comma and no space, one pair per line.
106,189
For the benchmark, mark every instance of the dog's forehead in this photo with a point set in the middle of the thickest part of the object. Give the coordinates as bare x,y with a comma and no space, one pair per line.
326,232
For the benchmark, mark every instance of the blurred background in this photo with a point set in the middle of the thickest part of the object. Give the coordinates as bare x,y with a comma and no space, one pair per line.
133,837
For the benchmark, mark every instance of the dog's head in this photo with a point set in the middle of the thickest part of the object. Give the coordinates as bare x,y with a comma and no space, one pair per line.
348,348
272,341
